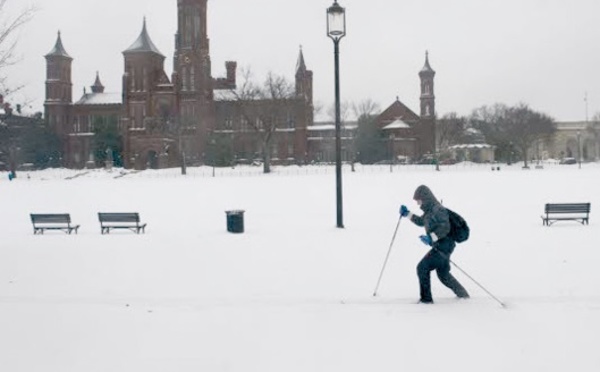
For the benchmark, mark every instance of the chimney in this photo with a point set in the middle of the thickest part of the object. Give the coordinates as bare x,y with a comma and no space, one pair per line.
231,67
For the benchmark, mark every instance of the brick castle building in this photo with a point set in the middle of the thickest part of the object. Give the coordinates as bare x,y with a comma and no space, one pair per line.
165,120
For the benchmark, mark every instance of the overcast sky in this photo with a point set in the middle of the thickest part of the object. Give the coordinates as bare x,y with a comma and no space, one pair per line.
545,53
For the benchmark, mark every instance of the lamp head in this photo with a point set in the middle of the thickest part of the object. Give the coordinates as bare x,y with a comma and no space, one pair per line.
336,21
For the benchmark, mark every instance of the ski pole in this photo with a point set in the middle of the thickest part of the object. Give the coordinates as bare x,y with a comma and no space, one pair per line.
470,277
387,256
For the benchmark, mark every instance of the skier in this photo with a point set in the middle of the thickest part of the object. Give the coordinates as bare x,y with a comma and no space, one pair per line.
437,226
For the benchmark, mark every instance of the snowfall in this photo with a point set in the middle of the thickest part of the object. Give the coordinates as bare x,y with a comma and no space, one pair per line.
293,292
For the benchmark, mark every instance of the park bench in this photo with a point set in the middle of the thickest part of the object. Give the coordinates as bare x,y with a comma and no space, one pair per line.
579,212
129,221
57,221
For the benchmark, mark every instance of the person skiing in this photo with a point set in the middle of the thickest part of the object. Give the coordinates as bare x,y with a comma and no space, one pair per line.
437,226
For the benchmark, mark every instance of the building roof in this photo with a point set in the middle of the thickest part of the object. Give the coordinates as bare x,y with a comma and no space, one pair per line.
397,124
143,44
329,126
571,125
395,111
59,49
472,146
100,99
224,95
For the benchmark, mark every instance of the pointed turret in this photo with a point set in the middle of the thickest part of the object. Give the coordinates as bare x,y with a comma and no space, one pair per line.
59,89
427,93
300,65
427,123
304,79
143,44
59,49
97,87
426,70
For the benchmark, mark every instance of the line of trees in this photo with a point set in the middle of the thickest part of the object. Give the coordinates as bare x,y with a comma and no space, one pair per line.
513,130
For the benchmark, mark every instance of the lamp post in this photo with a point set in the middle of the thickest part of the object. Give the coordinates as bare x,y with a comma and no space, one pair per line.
336,30
579,148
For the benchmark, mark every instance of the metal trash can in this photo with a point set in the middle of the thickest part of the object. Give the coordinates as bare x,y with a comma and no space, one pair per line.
235,221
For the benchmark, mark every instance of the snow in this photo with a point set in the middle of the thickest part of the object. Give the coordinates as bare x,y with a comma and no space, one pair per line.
293,292
108,98
397,124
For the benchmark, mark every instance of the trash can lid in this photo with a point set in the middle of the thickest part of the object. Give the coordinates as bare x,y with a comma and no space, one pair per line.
237,211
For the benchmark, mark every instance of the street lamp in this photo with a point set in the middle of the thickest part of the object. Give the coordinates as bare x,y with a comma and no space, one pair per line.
579,148
336,30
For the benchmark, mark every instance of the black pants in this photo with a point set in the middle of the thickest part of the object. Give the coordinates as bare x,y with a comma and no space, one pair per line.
440,262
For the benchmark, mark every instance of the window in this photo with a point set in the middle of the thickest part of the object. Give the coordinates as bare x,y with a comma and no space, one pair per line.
184,79
192,79
144,79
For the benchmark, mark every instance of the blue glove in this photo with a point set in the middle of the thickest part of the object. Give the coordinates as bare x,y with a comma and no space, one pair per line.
404,211
426,239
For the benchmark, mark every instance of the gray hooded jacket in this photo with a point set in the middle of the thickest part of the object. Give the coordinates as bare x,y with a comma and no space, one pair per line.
435,219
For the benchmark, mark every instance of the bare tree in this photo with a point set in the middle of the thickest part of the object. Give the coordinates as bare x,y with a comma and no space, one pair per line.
517,126
450,130
345,107
8,41
265,109
365,108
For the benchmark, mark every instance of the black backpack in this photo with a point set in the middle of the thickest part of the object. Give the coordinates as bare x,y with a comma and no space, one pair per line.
459,230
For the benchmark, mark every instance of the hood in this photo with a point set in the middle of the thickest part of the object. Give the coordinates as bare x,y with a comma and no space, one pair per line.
424,194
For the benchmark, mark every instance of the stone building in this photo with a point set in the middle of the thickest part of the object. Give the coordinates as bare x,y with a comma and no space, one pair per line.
573,139
168,120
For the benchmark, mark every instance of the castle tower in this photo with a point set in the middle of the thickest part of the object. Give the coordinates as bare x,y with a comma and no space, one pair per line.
427,123
192,52
192,73
144,68
59,88
427,94
304,80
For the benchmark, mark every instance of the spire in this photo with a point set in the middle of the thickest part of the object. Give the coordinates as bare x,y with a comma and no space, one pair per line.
300,65
59,49
426,68
143,44
97,87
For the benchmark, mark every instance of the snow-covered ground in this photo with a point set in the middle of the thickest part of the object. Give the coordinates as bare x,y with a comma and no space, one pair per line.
294,293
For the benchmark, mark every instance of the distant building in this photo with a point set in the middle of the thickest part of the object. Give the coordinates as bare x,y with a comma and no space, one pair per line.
406,134
572,139
163,118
